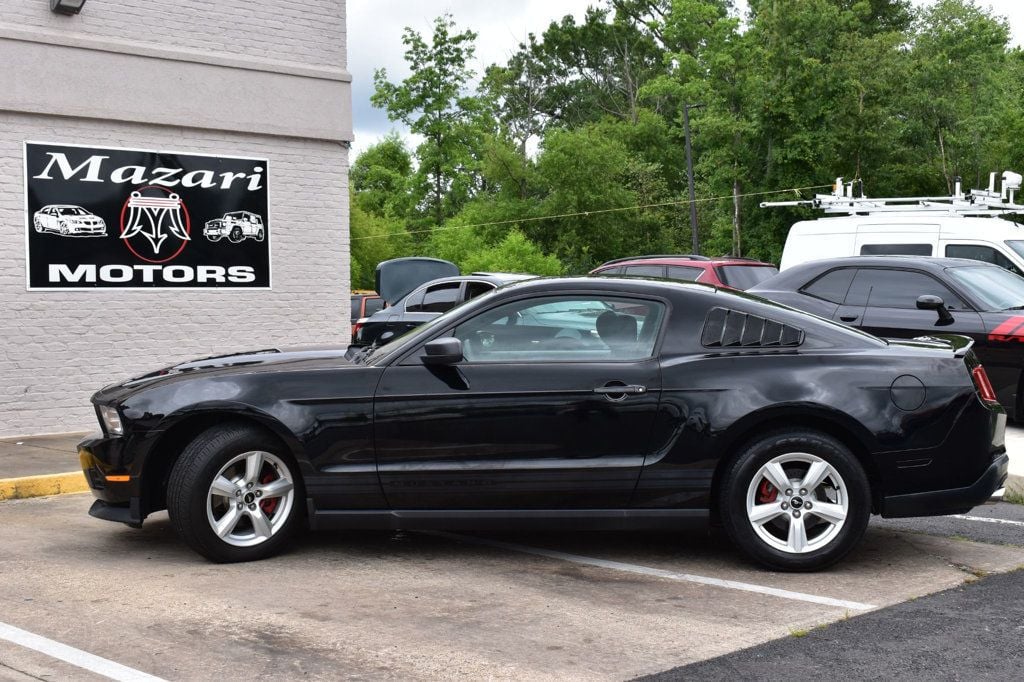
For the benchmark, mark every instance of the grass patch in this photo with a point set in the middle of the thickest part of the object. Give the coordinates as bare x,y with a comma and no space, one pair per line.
1013,497
799,632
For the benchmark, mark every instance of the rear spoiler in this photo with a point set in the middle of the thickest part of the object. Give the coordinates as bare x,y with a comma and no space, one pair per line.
959,344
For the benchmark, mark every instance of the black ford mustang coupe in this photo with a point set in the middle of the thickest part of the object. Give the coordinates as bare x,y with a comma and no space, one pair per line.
583,402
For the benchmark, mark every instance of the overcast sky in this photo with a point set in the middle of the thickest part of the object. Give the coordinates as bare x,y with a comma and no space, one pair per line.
375,40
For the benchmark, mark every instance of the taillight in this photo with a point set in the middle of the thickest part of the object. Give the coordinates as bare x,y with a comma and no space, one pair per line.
984,386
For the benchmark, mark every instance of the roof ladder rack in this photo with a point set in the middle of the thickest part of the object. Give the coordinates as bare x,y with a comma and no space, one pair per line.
848,198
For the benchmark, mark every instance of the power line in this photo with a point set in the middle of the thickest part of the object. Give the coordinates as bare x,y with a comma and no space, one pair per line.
585,213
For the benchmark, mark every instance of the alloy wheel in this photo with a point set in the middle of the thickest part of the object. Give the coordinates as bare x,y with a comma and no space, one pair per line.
797,503
250,499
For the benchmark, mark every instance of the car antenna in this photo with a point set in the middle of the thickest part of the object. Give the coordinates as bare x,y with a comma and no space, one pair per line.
849,198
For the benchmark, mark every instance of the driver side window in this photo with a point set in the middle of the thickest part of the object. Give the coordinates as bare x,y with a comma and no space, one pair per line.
563,328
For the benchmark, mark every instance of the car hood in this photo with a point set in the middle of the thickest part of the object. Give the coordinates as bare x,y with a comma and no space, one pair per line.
305,357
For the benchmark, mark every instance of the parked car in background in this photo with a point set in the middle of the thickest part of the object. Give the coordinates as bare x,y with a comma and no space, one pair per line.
363,304
907,296
69,221
970,225
675,404
427,302
990,240
728,271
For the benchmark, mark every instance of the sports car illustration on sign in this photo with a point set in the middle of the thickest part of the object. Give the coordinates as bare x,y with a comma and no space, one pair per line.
675,404
69,221
236,226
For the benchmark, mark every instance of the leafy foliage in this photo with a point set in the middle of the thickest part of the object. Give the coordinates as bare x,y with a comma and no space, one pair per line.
530,172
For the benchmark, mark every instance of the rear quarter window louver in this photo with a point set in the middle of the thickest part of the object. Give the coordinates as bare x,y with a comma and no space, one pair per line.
731,329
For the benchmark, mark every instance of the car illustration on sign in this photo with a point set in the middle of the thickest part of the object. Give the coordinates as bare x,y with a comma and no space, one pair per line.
236,226
69,221
678,403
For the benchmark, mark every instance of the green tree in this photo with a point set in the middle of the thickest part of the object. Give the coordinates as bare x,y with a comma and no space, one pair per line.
374,238
434,103
381,177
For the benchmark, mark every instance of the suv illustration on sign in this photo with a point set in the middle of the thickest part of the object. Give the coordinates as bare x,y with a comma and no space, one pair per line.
236,226
69,221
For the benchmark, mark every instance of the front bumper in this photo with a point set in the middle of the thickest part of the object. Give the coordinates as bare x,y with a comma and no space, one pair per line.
111,476
951,501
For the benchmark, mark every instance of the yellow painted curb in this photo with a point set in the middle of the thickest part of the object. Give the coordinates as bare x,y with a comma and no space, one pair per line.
42,486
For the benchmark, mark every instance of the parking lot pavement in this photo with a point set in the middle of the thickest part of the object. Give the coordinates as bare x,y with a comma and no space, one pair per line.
972,632
427,606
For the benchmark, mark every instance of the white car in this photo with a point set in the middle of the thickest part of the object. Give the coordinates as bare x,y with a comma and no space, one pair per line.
236,226
69,221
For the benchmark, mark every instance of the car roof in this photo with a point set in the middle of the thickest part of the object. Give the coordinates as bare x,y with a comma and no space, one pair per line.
798,275
684,259
492,277
924,262
949,226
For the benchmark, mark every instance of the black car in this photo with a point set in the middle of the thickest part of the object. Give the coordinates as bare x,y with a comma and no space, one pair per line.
427,302
883,295
674,404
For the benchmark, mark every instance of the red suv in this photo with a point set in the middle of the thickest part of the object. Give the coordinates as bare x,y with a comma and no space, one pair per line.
728,271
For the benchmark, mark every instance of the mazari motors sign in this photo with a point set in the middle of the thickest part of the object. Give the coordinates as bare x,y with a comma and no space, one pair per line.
126,218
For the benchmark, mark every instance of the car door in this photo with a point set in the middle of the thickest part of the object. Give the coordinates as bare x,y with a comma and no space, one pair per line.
887,300
552,407
48,220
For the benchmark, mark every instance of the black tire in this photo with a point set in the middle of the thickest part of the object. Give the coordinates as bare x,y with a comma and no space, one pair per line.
235,236
737,482
259,236
214,237
189,489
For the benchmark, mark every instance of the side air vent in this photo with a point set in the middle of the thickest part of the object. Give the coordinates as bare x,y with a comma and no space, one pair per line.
731,329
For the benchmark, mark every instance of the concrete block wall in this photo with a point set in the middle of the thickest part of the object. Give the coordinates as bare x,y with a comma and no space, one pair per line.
57,348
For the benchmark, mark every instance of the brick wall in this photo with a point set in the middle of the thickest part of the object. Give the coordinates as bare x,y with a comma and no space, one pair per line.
60,347
306,31
57,348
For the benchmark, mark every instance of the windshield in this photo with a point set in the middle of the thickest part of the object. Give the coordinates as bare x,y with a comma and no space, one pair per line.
993,288
745,276
73,210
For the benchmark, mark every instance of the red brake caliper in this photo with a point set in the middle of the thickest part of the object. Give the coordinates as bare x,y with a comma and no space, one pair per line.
766,493
268,506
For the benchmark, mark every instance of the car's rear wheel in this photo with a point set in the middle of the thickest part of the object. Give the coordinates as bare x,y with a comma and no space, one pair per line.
235,495
795,500
259,235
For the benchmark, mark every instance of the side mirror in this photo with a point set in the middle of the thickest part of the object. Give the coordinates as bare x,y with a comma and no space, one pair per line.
443,351
930,302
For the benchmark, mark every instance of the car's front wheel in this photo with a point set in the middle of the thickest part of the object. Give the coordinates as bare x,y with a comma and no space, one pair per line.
235,495
795,500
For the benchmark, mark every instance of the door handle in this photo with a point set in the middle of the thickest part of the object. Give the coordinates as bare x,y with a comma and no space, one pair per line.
849,318
632,389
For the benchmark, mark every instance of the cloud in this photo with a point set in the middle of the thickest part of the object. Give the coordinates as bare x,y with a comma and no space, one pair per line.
375,41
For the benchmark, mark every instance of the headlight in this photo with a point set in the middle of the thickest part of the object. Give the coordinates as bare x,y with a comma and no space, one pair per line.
111,420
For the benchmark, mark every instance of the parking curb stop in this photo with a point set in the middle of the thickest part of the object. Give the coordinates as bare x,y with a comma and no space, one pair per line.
42,486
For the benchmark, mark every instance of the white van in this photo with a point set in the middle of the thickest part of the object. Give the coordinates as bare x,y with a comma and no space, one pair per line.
959,226
992,240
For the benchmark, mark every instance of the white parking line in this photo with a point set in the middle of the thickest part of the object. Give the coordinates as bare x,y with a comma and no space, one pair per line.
661,573
76,657
986,519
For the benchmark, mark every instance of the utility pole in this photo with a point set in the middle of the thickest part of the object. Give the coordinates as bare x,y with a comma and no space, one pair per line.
689,175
